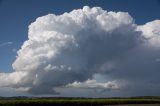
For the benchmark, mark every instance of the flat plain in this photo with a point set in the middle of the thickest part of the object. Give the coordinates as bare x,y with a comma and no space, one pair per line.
32,101
137,105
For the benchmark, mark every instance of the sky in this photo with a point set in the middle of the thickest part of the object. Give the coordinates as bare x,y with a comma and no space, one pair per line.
16,15
55,43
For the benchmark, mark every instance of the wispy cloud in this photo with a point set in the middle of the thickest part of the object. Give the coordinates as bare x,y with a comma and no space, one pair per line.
5,44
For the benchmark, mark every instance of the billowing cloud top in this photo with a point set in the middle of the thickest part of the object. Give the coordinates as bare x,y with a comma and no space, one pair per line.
71,49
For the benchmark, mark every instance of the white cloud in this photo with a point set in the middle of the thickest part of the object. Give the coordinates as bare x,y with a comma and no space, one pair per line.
93,84
11,79
151,31
68,49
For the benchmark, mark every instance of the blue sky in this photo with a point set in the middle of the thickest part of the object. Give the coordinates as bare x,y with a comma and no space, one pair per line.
16,15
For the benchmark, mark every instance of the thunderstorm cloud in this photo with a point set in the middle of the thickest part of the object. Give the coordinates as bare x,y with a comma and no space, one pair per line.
72,49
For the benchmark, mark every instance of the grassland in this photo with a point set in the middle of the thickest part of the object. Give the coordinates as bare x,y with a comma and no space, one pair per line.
78,101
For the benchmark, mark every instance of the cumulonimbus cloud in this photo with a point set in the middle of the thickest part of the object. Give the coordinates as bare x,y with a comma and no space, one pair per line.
70,49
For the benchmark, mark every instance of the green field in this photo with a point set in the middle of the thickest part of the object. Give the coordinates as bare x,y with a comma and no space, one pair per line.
79,101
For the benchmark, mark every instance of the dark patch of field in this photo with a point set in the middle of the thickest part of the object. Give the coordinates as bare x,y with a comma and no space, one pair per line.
136,101
137,105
